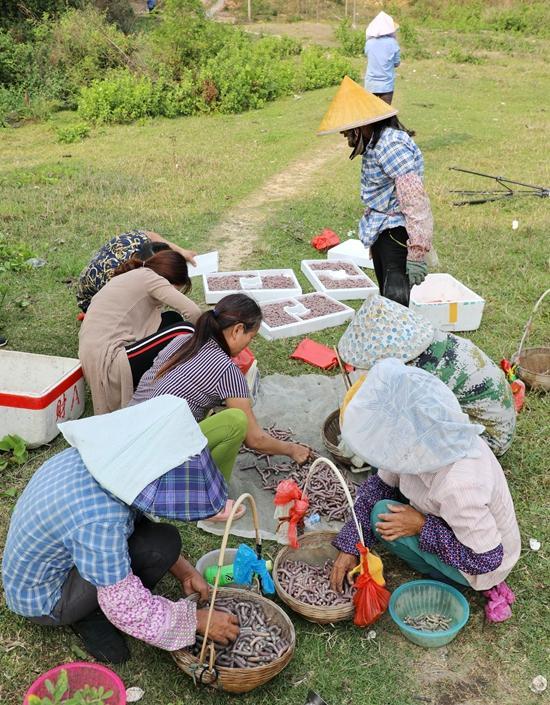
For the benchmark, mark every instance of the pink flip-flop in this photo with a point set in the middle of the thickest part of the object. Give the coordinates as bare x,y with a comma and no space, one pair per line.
222,517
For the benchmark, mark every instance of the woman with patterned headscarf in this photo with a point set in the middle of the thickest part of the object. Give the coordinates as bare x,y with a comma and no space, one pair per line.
382,329
457,523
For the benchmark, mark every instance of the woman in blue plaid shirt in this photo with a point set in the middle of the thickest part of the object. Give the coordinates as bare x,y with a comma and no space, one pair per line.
397,223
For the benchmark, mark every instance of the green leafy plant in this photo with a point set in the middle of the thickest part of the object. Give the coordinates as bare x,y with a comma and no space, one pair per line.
13,257
351,40
13,450
72,133
83,696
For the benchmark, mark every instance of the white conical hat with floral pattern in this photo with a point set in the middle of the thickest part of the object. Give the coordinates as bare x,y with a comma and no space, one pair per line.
382,328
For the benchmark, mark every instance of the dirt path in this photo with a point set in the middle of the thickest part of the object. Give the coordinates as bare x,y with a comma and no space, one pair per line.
237,234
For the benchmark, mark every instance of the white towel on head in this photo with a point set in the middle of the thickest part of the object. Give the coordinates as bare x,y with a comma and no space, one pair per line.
408,421
128,449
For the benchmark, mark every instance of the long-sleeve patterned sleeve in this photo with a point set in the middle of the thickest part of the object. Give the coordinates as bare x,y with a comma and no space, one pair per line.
371,491
415,206
438,538
133,609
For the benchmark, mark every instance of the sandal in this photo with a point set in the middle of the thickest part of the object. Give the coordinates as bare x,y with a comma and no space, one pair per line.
222,517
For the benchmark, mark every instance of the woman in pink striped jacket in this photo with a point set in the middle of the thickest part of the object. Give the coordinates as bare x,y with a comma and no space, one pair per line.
457,522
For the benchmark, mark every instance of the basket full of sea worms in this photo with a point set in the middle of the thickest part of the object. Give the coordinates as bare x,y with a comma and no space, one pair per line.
264,647
302,579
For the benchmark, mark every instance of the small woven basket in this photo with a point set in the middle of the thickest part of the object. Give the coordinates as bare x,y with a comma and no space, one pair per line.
316,547
236,680
533,364
331,431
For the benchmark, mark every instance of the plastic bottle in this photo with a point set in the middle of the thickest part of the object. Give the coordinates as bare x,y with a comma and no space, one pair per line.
226,574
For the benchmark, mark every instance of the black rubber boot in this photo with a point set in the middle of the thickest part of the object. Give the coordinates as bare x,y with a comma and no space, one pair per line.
101,639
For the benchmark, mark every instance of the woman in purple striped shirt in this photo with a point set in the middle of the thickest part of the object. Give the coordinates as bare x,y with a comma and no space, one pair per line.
199,369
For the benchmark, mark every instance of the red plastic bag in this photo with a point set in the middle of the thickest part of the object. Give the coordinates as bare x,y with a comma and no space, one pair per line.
291,507
371,599
326,239
244,360
517,385
317,354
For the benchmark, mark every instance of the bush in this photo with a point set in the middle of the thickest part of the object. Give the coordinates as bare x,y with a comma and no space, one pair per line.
81,47
119,13
245,77
351,40
15,59
72,133
123,97
320,69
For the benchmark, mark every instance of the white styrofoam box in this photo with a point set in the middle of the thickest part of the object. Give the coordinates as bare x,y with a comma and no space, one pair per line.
37,392
343,294
206,264
303,327
351,250
251,285
447,303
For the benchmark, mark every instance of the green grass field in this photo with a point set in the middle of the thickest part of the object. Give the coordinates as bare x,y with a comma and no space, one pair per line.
181,177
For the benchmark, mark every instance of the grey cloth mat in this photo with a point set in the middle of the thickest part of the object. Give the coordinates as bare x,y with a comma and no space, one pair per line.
297,403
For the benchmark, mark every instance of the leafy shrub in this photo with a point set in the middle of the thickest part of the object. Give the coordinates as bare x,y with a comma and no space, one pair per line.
245,77
124,97
119,13
121,97
351,40
82,46
15,59
319,69
72,133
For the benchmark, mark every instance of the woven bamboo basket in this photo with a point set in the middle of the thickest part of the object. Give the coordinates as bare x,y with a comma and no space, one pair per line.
236,680
331,431
533,364
315,548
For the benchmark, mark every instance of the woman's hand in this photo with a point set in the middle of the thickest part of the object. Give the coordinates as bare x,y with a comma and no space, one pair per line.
189,255
299,453
342,566
224,627
190,578
402,521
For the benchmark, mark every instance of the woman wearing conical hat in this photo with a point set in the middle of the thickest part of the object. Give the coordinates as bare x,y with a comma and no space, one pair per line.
383,56
383,329
397,223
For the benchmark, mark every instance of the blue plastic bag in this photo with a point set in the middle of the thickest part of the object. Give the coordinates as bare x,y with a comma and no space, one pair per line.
247,564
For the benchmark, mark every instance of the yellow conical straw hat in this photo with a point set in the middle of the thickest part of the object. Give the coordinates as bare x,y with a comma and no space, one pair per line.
353,106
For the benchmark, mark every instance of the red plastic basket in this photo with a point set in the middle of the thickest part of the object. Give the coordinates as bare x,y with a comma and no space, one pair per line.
80,674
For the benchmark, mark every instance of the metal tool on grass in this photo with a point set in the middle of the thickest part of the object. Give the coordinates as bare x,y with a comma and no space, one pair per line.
506,191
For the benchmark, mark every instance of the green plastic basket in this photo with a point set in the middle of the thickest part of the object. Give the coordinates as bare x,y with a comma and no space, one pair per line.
428,596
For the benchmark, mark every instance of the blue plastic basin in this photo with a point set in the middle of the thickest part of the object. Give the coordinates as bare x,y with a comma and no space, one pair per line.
428,596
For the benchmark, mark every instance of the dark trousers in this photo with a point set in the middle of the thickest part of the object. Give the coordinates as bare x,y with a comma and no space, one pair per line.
386,97
142,353
389,256
153,548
